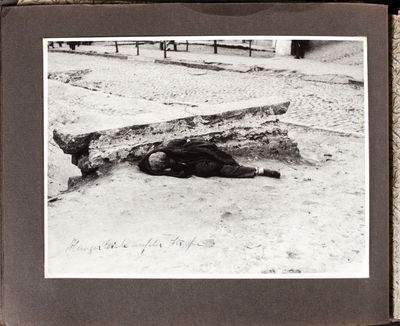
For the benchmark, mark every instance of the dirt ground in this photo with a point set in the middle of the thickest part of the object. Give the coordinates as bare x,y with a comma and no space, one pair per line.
312,220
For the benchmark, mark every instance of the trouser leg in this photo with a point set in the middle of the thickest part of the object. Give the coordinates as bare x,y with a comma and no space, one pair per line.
232,171
207,169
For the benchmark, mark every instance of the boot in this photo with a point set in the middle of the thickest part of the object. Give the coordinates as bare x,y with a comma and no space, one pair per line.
271,174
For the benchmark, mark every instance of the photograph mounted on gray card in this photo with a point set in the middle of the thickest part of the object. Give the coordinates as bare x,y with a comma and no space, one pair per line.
206,157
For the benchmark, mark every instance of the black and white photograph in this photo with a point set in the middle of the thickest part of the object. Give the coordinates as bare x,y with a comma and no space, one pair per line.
206,157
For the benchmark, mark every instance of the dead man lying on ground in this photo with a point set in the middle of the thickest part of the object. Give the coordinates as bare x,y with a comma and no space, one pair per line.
184,158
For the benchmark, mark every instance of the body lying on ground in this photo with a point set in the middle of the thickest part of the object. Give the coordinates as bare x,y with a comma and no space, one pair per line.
184,158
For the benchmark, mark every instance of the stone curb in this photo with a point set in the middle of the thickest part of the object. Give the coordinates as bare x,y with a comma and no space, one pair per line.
95,54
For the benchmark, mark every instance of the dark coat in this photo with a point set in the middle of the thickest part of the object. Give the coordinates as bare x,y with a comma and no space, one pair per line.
191,157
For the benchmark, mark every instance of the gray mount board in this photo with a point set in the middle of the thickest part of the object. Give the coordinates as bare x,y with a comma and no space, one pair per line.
30,299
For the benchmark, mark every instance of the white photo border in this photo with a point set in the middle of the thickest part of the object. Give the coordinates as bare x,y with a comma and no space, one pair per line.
363,274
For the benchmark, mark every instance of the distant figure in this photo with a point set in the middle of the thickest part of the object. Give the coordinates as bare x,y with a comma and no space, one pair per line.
183,158
73,45
299,48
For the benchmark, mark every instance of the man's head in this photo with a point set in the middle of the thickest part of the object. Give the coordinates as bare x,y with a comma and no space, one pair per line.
159,161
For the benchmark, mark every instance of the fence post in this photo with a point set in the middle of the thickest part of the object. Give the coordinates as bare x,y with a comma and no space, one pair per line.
116,47
215,47
187,46
165,49
250,48
137,48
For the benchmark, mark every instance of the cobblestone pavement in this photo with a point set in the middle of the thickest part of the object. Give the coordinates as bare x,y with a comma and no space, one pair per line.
318,103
